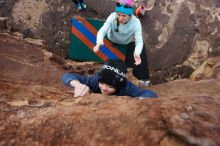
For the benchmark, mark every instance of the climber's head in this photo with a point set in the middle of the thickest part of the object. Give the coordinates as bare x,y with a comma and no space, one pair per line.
112,77
125,7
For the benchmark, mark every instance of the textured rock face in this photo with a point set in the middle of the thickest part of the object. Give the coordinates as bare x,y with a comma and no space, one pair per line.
36,108
29,13
180,30
209,69
190,120
176,32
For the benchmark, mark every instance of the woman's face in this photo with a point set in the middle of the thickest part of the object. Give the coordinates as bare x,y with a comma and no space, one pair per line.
106,89
123,18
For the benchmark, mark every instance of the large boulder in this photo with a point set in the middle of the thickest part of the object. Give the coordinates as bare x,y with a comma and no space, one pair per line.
37,109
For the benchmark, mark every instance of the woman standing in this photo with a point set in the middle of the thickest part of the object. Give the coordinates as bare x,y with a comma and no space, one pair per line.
123,28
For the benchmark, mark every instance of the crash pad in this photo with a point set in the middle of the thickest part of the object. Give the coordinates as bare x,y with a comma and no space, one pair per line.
83,39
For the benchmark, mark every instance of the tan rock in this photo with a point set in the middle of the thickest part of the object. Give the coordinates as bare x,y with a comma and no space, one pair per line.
209,69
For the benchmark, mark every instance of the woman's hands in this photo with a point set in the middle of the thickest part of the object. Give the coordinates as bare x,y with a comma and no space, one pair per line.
137,59
79,89
97,46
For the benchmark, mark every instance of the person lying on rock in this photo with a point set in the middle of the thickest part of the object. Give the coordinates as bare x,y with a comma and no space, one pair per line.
110,80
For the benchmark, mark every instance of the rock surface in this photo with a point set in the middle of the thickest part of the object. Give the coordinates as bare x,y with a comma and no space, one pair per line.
36,108
209,69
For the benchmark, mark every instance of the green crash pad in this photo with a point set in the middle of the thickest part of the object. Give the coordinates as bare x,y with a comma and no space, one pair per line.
83,39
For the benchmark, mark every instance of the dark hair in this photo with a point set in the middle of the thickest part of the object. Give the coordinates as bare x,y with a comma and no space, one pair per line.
117,21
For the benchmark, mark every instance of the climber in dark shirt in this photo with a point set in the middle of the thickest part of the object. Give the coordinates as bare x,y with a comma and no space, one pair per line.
111,80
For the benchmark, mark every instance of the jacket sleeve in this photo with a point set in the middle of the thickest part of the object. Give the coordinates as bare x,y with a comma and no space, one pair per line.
104,29
135,91
91,82
138,39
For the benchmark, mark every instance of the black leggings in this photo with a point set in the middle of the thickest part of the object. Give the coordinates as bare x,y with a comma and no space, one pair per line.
140,71
77,1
